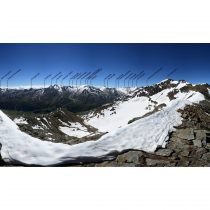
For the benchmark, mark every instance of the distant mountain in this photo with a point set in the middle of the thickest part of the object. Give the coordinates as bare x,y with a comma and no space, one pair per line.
74,99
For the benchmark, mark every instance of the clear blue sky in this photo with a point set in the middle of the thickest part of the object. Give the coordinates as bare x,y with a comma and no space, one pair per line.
191,60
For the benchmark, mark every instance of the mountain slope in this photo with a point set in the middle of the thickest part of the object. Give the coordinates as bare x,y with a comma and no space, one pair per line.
144,134
57,126
139,102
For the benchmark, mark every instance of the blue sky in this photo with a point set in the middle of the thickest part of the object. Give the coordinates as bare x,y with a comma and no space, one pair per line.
191,60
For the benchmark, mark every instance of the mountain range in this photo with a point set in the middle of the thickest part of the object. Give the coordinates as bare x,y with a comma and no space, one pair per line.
88,124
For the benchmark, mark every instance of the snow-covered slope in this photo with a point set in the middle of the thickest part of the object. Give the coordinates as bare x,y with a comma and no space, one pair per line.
123,111
118,115
144,134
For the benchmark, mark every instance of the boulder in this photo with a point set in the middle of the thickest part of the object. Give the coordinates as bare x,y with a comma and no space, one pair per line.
164,152
183,163
158,162
198,152
186,133
200,135
197,143
130,157
206,156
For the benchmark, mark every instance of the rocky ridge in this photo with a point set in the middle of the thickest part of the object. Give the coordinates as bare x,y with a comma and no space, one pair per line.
189,145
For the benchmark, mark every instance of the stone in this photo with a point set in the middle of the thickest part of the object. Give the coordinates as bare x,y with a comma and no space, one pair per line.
164,152
201,151
206,156
198,152
177,144
107,164
186,133
157,162
197,143
184,153
183,163
201,136
198,163
130,157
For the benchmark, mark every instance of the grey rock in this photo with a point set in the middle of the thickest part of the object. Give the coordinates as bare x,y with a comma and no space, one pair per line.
197,143
156,162
186,133
184,153
198,152
200,134
198,163
107,164
177,144
206,156
183,163
164,152
130,157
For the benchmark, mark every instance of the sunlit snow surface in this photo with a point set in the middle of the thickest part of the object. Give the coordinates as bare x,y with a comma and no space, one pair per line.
20,121
124,111
144,134
109,119
76,130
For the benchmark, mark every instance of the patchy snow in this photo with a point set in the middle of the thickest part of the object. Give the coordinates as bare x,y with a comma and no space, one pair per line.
63,122
37,127
175,82
20,121
79,126
162,81
72,131
162,96
75,129
181,85
144,134
44,126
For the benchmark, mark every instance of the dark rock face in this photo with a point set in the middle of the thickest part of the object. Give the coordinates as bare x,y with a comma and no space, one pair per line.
151,90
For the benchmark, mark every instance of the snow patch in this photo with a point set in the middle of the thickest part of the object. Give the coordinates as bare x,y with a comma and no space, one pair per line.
37,127
76,129
20,121
73,132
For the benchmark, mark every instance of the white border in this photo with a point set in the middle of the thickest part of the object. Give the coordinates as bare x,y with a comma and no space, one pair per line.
104,188
93,21
110,21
